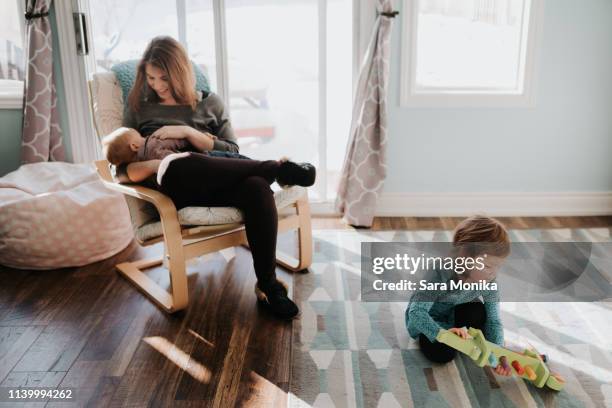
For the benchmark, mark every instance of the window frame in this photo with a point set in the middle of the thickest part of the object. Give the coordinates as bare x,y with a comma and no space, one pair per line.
11,96
471,98
84,143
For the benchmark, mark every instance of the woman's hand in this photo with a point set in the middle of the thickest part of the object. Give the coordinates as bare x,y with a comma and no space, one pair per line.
173,132
202,141
459,331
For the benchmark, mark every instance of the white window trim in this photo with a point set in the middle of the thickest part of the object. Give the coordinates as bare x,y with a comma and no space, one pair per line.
221,53
11,95
83,140
410,97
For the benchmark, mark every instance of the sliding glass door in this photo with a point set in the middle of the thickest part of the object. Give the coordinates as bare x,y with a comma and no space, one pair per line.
283,67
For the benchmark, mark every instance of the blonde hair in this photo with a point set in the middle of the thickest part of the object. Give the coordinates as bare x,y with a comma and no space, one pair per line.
168,55
116,146
481,234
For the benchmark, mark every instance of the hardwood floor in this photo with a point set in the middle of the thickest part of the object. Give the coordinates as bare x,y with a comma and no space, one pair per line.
89,329
449,223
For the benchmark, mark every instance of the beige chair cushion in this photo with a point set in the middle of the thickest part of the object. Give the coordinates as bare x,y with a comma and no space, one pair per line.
193,216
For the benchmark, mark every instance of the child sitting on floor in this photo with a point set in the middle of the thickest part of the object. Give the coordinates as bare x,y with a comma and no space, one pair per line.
456,309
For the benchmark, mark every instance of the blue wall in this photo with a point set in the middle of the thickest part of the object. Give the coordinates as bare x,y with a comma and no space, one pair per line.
10,119
563,144
10,139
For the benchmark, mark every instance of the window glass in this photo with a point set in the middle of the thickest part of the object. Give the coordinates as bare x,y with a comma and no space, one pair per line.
467,44
11,48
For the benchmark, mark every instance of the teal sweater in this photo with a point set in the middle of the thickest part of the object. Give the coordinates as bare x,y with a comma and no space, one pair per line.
427,313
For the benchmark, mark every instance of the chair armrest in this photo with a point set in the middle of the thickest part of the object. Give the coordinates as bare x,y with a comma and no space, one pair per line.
164,205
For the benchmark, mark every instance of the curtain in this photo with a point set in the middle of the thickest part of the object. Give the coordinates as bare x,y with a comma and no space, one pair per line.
42,136
364,168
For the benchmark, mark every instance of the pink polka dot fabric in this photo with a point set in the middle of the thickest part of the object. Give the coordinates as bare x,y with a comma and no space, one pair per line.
55,215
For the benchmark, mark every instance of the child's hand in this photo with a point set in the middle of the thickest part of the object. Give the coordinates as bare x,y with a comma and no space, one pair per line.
172,132
459,331
500,370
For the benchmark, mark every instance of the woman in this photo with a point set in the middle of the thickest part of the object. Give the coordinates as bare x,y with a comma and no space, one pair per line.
164,103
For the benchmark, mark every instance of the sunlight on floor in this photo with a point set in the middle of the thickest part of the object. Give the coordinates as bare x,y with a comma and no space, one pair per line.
295,402
202,339
561,358
180,358
268,395
543,319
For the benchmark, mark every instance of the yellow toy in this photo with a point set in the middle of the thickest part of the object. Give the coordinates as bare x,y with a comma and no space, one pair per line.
528,365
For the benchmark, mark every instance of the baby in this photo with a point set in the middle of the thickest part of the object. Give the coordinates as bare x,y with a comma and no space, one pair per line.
126,145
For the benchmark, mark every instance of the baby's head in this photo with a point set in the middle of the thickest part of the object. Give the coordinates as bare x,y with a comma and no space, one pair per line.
121,145
485,237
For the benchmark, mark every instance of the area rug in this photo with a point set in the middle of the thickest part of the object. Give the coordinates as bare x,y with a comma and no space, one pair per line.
348,353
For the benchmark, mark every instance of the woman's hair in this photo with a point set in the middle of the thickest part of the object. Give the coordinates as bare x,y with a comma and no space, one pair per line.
168,55
479,234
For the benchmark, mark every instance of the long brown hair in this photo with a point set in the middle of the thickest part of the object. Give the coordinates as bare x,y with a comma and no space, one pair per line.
168,55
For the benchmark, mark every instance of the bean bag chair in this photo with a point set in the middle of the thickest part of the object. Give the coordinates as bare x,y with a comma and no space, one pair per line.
56,215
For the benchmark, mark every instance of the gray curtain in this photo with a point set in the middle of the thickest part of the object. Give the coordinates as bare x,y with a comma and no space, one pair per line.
42,136
364,168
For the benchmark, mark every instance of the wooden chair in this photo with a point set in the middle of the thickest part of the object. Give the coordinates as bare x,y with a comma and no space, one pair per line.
183,240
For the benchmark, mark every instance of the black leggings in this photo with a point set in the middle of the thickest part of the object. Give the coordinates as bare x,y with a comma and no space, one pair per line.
202,180
472,314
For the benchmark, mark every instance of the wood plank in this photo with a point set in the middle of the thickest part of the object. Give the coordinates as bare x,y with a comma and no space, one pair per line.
33,379
17,349
233,363
63,339
265,379
191,369
33,295
229,296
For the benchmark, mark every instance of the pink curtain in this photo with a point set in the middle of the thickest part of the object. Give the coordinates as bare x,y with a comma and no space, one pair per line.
42,136
364,167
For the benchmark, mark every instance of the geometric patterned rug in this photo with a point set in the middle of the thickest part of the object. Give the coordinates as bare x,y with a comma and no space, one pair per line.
348,353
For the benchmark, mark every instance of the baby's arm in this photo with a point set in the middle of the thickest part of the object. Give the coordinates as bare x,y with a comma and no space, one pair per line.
139,171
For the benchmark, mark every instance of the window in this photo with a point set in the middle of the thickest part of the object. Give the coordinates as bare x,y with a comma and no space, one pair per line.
11,56
469,52
282,70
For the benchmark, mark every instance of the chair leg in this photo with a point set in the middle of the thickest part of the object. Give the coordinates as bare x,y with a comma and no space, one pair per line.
304,240
178,297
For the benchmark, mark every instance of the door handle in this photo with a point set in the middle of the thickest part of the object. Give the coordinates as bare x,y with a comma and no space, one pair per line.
80,28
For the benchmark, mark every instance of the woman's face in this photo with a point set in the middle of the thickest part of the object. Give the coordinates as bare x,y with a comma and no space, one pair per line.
158,81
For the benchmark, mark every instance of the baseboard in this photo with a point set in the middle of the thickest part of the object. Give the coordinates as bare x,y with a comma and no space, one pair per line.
493,204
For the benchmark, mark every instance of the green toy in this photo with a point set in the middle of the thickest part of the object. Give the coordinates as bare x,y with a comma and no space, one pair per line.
528,365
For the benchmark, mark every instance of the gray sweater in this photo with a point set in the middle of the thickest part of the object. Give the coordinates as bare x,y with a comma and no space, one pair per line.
209,116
